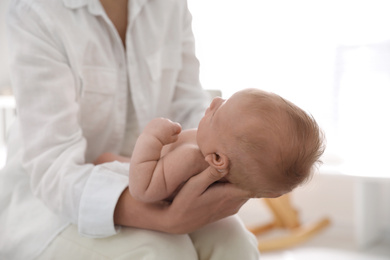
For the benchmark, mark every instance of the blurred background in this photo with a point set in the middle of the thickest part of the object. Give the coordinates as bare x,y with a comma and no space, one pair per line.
332,58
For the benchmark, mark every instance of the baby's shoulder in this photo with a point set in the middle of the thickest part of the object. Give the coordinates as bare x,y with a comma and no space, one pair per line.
187,150
186,140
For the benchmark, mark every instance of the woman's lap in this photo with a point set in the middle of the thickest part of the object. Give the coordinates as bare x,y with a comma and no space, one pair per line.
225,239
130,243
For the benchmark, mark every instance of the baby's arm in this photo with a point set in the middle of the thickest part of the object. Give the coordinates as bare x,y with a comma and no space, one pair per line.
146,177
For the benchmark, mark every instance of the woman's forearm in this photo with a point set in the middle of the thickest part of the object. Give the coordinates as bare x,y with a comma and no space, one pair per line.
134,213
198,203
110,157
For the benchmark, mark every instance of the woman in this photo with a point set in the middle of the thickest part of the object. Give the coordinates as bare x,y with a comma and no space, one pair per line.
87,76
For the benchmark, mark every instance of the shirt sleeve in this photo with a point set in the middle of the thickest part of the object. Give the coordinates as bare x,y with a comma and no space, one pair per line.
99,199
54,147
190,100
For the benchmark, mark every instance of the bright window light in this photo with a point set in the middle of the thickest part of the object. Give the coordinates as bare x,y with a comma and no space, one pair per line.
332,58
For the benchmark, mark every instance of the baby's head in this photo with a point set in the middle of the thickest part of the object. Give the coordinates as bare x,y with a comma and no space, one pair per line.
266,144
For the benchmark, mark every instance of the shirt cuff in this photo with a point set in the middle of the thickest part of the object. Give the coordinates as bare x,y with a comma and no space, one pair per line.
99,198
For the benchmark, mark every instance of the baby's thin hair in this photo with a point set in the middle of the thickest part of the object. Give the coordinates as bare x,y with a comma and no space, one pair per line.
307,144
287,144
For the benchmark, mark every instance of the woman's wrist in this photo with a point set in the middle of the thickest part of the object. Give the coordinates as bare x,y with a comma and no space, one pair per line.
110,157
133,213
121,209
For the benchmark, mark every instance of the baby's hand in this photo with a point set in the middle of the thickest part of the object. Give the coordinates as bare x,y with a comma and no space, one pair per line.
164,130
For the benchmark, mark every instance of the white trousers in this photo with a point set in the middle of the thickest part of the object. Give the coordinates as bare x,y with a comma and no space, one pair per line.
226,239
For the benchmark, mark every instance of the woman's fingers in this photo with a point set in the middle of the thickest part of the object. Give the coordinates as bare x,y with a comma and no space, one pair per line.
188,213
199,183
203,180
203,200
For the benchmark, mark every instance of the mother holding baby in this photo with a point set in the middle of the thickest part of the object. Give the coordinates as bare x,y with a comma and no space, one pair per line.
88,75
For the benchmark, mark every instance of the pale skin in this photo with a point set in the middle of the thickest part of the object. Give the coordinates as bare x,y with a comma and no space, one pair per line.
210,201
165,158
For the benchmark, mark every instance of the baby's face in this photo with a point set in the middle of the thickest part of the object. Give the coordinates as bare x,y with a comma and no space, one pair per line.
221,119
209,127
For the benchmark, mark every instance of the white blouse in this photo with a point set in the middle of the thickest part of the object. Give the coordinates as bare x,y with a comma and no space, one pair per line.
72,79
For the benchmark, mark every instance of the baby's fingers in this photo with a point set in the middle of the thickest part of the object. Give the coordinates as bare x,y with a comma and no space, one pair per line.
173,131
164,130
176,128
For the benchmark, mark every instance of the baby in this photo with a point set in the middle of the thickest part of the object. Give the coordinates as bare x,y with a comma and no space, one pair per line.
256,140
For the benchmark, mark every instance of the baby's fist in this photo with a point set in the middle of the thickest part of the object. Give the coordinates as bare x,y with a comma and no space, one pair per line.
164,129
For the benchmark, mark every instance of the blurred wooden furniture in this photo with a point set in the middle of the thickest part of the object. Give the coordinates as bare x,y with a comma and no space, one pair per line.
285,217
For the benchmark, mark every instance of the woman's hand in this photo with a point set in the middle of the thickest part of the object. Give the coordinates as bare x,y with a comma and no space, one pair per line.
200,201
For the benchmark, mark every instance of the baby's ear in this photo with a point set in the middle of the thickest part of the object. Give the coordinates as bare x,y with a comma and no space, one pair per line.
219,161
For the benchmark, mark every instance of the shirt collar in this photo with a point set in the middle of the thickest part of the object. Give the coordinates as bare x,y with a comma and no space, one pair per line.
135,7
94,6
